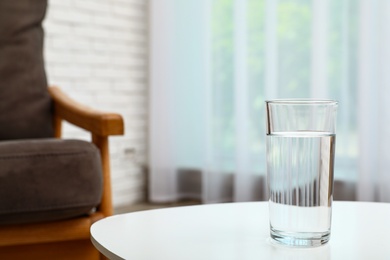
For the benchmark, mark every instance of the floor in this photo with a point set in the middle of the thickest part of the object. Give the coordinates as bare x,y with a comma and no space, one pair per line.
148,206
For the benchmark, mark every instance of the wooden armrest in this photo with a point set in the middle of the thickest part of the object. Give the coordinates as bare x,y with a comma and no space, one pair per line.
97,122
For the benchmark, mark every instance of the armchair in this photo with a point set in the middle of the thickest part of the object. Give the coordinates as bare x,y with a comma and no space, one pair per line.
51,189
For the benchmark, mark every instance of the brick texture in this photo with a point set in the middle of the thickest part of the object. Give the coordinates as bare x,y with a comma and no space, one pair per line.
96,51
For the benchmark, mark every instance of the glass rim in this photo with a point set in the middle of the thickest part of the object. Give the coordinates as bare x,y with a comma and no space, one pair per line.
302,101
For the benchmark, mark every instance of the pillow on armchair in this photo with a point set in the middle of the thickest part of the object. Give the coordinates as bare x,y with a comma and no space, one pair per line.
25,105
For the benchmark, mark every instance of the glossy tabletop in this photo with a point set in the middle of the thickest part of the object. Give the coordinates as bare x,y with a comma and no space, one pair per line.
360,230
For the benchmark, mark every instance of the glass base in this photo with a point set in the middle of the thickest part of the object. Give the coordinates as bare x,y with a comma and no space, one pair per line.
306,239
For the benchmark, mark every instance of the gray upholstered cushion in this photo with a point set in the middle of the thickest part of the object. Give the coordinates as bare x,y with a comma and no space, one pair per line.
25,105
48,179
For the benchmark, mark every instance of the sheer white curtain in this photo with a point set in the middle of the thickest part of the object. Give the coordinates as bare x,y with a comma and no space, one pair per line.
213,63
374,105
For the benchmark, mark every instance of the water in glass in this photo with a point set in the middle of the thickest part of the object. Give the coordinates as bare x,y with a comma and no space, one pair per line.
300,176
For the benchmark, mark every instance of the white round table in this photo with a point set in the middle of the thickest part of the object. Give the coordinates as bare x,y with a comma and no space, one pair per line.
360,230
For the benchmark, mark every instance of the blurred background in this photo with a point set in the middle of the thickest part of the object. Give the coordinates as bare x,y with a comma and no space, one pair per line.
191,78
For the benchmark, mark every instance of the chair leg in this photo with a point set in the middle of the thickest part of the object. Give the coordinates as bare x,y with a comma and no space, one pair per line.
75,250
102,257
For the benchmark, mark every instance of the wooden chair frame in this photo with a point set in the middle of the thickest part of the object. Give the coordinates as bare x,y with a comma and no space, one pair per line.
67,239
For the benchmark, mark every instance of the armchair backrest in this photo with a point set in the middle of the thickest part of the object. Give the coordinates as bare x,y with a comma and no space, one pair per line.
25,105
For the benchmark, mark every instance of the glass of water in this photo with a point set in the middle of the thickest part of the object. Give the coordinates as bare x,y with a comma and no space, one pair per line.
301,138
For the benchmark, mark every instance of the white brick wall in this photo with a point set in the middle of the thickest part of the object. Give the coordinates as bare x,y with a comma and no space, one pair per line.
96,51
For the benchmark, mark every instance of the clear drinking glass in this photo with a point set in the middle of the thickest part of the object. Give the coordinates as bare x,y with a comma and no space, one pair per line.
300,160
